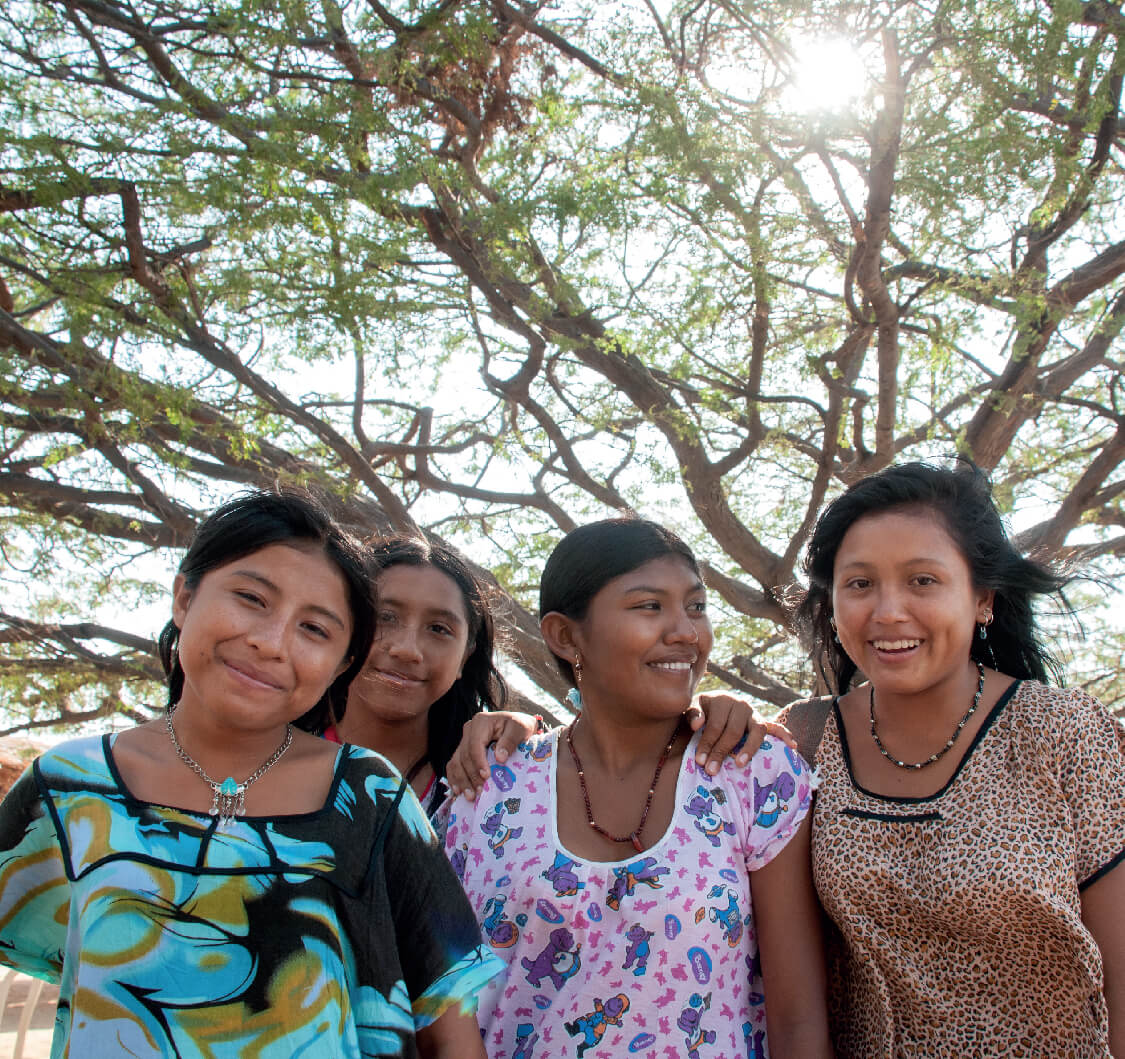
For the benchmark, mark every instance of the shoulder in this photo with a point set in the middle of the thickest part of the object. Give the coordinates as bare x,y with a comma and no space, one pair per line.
76,763
806,719
1059,711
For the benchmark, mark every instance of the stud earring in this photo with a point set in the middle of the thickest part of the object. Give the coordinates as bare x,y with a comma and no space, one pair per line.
835,634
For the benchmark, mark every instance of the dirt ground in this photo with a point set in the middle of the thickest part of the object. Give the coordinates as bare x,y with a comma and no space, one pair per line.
37,1043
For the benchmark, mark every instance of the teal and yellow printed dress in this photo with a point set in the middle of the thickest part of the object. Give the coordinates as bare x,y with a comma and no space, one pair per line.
336,933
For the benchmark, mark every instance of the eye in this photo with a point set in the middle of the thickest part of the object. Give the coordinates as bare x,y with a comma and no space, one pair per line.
858,583
440,630
925,580
698,607
386,617
249,597
316,630
648,604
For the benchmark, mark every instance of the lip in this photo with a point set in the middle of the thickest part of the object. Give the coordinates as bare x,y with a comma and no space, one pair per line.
674,666
901,647
393,678
252,675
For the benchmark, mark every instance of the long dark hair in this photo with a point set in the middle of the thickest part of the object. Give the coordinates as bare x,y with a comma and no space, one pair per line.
591,556
254,521
480,685
961,498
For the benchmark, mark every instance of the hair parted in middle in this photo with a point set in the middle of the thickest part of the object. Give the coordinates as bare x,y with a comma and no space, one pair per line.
591,556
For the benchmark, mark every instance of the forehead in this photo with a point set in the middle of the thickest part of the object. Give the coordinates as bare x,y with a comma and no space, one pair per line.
424,587
897,536
296,568
671,573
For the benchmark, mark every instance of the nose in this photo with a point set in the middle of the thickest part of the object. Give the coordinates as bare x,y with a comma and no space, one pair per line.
270,635
888,605
684,628
401,641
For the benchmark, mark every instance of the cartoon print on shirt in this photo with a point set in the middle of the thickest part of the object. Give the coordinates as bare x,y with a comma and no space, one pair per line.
707,821
689,1021
592,1026
755,1042
558,961
562,877
638,951
525,1040
457,860
499,932
640,871
493,826
729,918
772,800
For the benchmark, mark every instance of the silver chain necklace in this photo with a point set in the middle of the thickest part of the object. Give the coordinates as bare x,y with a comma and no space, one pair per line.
952,739
229,797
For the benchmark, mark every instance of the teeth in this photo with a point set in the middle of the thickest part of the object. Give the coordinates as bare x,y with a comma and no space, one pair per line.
894,645
674,666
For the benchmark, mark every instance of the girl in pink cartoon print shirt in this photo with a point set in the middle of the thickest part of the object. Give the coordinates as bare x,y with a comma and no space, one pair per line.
643,907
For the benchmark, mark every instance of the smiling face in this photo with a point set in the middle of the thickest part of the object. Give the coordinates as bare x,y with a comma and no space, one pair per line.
904,601
263,636
644,640
421,642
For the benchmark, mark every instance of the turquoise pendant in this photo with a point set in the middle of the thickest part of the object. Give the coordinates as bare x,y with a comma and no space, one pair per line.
228,801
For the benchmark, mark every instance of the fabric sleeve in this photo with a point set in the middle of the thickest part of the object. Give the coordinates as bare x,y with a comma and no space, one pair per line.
34,889
1090,759
776,796
439,943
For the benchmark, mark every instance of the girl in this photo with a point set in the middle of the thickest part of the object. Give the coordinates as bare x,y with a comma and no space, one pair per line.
969,833
641,904
300,905
430,667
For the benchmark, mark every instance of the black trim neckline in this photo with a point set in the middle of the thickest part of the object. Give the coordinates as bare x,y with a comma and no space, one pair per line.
993,714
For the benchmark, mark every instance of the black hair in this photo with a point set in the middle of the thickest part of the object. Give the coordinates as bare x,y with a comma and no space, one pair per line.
254,521
591,556
961,498
480,685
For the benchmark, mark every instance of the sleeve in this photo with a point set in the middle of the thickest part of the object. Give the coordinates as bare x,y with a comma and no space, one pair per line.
776,796
1090,762
439,942
34,889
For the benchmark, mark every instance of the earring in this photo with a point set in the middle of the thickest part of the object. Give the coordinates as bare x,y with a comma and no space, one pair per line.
835,634
982,628
578,670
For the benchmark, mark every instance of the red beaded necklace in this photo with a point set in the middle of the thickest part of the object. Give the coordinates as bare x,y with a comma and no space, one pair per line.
634,836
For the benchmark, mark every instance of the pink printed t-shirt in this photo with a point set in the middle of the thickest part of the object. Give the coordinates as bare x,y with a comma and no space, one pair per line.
654,955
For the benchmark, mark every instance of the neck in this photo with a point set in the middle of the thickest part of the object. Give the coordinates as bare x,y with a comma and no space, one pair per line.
620,745
226,752
932,709
401,743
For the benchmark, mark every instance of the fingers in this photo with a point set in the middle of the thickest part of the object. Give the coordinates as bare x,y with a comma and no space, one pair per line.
732,725
467,770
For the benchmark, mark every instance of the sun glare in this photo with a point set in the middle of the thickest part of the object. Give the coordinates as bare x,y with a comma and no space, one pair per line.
828,75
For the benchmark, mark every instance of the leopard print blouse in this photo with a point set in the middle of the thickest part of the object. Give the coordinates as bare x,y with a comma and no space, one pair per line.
959,925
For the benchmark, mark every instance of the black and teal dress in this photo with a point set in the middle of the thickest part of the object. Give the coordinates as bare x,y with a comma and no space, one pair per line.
337,933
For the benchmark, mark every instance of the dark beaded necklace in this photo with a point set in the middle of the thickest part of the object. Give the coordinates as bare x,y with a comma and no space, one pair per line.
915,765
634,836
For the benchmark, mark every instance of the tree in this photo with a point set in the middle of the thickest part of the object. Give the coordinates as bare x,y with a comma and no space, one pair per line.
493,268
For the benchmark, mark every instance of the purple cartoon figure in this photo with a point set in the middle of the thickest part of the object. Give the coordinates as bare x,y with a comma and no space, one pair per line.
562,877
772,800
558,961
707,819
591,1027
638,952
690,1021
498,833
628,878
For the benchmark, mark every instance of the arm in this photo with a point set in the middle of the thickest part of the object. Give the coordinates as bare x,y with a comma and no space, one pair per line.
1102,904
787,921
454,1035
468,769
725,720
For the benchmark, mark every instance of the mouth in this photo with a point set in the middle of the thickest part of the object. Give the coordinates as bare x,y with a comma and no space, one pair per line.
255,677
681,666
393,678
895,646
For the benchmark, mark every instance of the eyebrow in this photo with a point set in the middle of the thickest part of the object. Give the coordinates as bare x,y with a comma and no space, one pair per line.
699,585
330,614
440,612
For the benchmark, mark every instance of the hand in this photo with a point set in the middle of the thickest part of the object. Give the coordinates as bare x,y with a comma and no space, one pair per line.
468,767
728,718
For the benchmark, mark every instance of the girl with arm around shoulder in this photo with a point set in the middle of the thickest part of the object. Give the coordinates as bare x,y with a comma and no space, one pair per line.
642,905
220,881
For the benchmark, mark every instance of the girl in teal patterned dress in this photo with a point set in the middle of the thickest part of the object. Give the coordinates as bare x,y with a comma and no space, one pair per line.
301,905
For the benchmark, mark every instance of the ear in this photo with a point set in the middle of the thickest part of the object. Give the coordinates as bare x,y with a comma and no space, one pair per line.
345,662
986,599
181,599
559,633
